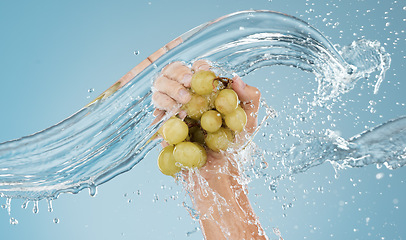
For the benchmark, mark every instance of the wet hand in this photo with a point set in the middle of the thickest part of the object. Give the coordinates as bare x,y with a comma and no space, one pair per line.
220,172
171,88
171,92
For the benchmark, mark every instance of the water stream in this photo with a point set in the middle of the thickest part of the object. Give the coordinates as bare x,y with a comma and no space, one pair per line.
111,135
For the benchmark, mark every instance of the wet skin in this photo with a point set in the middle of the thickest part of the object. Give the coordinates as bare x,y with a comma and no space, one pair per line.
236,213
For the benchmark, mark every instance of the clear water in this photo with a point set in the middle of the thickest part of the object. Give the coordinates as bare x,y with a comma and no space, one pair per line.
110,137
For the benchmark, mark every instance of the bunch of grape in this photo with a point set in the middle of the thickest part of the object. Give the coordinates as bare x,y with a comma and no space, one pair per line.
213,117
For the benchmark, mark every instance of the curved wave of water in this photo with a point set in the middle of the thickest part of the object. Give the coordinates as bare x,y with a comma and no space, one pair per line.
111,135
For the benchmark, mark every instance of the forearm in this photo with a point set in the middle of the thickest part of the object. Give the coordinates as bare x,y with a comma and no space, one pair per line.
225,211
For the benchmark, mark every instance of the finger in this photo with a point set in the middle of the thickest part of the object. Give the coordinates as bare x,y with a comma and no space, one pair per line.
179,72
173,89
200,65
158,114
245,92
249,97
164,102
164,144
182,114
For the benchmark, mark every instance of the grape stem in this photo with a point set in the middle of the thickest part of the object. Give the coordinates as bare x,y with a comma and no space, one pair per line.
193,124
224,80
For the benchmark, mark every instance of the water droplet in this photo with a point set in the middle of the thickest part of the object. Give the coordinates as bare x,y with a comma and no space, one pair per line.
404,8
277,231
35,209
92,190
264,165
13,221
156,198
90,90
50,209
136,52
8,206
25,204
272,187
387,24
56,220
379,176
129,201
188,234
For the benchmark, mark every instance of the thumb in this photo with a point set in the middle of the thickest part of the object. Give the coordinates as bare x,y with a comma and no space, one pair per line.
249,97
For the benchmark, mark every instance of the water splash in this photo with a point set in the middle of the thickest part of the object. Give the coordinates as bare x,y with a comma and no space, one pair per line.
382,145
13,221
111,134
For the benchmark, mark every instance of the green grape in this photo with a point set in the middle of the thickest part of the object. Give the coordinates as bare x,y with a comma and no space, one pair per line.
160,131
226,101
166,162
175,131
189,154
196,106
192,130
211,121
236,120
202,82
203,159
219,140
196,135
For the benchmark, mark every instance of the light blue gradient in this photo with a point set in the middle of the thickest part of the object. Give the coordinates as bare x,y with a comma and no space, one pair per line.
51,54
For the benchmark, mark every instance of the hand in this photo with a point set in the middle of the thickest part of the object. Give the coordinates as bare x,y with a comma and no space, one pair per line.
220,170
171,92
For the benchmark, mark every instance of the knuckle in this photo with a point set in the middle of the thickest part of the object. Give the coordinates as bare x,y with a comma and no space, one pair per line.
158,81
200,63
156,96
164,69
178,72
171,66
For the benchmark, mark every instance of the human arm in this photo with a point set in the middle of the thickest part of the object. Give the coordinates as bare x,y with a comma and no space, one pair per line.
217,194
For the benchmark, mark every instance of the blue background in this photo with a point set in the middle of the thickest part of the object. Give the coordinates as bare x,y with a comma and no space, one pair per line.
53,52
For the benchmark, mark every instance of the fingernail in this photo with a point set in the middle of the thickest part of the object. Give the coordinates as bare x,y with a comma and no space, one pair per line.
187,78
240,82
204,67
